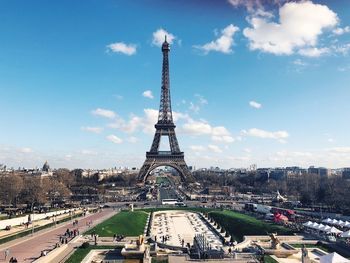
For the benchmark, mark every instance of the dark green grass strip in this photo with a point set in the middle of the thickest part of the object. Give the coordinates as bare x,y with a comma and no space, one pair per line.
239,225
81,253
269,259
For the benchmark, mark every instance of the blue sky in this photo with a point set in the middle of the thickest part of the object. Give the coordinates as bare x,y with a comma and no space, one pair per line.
251,83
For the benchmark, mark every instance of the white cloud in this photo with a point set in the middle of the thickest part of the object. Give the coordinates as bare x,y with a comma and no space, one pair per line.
148,94
92,129
118,97
194,107
340,31
104,113
26,150
197,148
341,150
293,154
299,27
120,47
132,139
199,102
145,123
214,148
251,5
197,128
159,37
225,138
220,131
314,51
342,49
114,139
343,68
223,44
88,152
299,62
255,104
201,127
277,135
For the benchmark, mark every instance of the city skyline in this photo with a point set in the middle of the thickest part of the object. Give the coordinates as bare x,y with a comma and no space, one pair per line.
250,83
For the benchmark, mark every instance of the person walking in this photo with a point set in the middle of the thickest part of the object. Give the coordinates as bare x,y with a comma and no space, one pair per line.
7,253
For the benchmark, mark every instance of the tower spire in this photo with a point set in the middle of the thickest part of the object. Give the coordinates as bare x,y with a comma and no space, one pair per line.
165,113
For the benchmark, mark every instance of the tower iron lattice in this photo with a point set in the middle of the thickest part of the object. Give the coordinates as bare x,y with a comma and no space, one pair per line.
165,127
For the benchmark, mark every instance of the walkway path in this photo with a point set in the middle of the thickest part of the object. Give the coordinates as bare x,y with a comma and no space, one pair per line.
27,249
37,223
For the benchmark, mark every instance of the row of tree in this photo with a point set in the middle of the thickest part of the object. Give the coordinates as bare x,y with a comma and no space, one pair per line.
17,188
310,189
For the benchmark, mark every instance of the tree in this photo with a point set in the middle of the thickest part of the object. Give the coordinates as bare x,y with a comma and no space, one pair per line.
10,188
64,176
55,189
34,192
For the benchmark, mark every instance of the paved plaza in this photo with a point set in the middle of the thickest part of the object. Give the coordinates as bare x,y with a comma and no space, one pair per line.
175,226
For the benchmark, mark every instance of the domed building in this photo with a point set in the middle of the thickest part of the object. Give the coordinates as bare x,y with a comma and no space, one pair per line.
46,167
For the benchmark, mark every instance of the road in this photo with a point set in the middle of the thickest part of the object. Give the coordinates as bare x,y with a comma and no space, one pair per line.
29,248
167,193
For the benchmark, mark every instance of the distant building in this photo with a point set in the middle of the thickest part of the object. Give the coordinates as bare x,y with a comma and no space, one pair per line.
346,173
321,171
46,167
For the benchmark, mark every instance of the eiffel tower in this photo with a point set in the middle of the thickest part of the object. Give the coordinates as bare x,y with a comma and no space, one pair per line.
165,127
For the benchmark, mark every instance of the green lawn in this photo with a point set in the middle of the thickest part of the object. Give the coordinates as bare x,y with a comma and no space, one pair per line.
269,259
160,180
124,223
239,225
320,246
81,253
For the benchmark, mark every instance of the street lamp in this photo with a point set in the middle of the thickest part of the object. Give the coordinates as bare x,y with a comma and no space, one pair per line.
33,223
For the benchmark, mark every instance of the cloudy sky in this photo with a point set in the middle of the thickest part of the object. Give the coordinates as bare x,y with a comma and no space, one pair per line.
252,82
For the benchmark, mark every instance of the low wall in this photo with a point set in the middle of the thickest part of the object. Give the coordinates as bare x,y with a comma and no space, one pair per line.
51,255
24,219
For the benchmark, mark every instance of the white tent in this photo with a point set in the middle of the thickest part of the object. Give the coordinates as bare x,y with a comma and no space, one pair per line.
327,221
333,258
320,226
334,222
346,234
326,228
308,224
346,224
334,230
340,223
314,225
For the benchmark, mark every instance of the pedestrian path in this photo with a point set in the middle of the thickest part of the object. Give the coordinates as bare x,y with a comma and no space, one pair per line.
29,248
21,228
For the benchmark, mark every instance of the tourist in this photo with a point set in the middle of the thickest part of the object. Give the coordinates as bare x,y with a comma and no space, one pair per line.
7,253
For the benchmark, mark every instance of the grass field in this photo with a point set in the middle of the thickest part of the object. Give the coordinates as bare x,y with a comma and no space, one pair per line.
239,225
269,259
160,180
320,246
81,253
124,223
